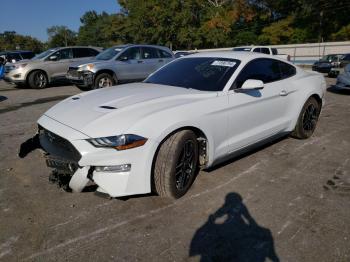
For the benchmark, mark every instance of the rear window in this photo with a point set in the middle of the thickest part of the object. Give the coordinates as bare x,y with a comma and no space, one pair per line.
84,52
27,55
346,57
164,54
287,70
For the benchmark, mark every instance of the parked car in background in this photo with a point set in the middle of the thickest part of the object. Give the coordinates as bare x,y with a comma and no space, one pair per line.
119,64
17,55
192,113
326,63
2,67
344,61
343,80
48,66
262,49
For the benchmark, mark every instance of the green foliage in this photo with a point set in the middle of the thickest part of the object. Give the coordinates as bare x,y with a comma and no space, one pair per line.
61,36
101,29
194,24
9,40
342,34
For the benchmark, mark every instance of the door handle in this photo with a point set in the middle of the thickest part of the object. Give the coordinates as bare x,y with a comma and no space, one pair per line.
161,60
283,93
139,61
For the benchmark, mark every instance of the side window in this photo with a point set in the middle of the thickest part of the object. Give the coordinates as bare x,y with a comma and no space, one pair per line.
287,70
164,54
264,50
64,54
27,55
93,52
266,70
149,53
81,52
274,51
256,50
13,56
132,53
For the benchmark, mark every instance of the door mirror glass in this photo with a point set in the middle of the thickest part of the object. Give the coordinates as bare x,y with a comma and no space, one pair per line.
252,84
53,58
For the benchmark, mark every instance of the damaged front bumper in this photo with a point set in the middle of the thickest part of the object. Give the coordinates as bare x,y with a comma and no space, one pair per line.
116,173
81,78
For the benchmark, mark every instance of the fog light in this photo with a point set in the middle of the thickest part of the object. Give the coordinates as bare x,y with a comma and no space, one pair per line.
17,76
118,168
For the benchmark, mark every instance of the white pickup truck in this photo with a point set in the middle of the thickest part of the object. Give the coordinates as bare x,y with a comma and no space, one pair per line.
262,49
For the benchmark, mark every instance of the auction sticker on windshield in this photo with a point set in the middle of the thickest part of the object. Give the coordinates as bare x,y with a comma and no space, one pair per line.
223,63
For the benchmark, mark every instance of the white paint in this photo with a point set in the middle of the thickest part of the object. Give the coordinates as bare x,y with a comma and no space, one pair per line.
230,120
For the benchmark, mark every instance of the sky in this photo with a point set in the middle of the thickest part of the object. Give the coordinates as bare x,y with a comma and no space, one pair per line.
33,17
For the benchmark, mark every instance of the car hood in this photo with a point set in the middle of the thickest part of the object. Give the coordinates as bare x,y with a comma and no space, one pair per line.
113,110
88,61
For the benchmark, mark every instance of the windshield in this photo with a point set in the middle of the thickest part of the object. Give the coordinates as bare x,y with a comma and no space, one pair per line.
44,54
200,73
247,49
108,53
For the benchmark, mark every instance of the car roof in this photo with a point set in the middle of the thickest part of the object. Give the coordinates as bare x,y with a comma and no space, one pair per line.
239,55
61,47
15,51
141,45
253,46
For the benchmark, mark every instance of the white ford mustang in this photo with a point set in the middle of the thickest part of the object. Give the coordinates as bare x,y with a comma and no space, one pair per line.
191,114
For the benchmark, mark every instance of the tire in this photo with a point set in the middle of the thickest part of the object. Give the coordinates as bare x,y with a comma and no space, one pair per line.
37,80
307,120
104,80
174,170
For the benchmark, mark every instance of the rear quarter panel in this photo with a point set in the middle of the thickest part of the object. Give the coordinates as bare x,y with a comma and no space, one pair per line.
305,84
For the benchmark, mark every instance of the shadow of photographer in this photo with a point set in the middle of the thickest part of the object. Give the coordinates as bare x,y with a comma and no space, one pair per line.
231,234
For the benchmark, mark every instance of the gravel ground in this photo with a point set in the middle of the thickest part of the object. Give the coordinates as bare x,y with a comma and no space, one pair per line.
288,201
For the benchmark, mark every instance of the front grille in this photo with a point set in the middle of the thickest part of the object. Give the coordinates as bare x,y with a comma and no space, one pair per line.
57,146
73,72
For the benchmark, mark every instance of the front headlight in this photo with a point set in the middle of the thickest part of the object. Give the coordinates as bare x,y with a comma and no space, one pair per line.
90,66
121,142
85,67
20,66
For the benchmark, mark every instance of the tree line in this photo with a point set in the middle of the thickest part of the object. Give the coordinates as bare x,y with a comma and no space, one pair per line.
190,24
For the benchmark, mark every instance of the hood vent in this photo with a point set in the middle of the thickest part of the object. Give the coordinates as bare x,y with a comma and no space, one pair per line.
108,107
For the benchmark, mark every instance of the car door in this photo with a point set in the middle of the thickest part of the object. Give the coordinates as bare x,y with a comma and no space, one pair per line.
152,60
60,62
257,114
165,57
130,66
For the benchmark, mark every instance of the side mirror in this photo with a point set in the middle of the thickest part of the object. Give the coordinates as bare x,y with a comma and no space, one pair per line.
252,84
124,58
53,58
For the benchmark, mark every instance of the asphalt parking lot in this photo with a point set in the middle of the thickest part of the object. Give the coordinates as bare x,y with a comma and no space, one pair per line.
289,201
